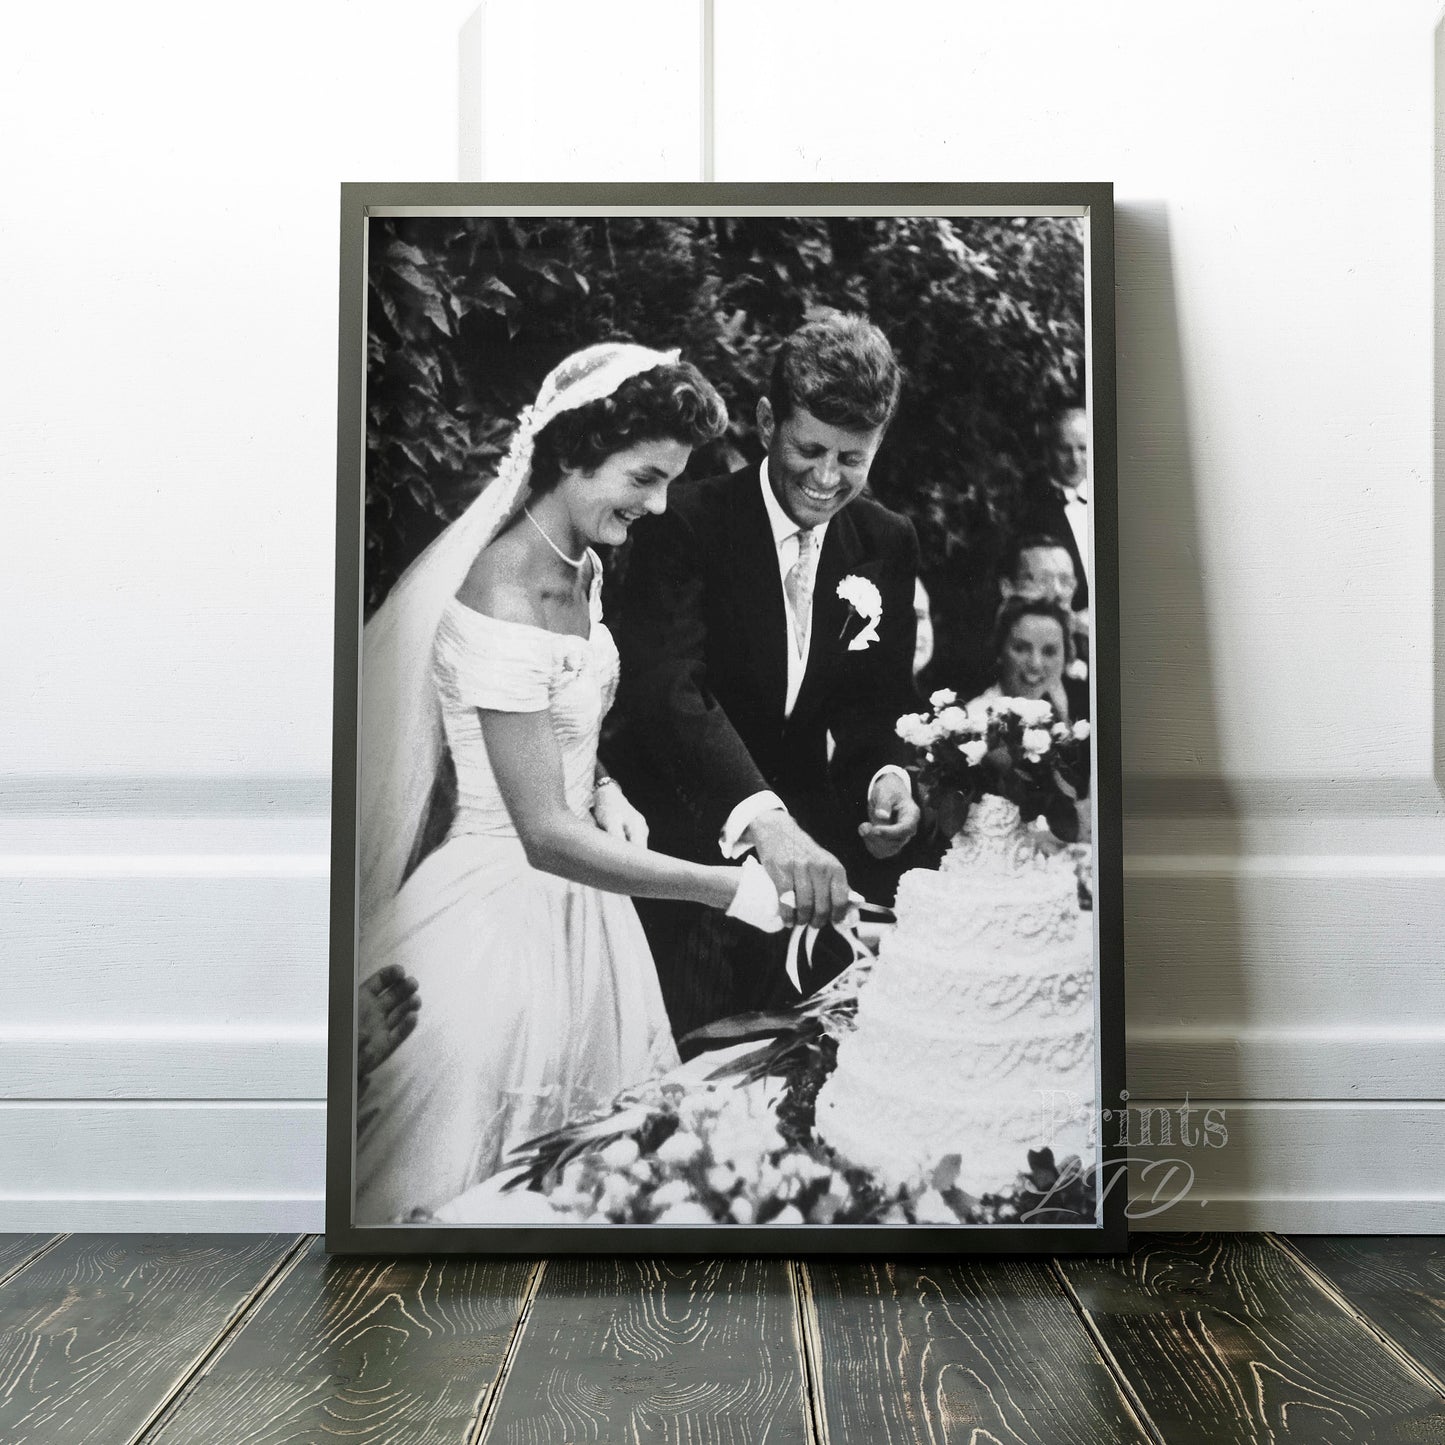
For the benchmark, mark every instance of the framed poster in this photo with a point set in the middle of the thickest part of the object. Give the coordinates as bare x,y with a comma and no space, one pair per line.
726,807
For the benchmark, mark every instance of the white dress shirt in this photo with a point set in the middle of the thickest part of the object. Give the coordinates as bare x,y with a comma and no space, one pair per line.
785,542
786,533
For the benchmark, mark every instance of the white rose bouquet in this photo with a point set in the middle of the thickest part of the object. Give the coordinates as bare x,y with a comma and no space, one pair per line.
1016,747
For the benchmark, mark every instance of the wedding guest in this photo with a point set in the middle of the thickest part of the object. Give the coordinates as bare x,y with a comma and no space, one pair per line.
1058,502
387,1005
1033,646
923,622
741,653
1038,565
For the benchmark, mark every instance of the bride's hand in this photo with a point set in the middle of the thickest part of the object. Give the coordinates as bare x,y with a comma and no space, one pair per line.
755,897
617,817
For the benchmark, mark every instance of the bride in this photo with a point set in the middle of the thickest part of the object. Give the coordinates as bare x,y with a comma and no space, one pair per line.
540,997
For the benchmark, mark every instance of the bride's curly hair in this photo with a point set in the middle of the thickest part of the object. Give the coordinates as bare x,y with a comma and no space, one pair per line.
674,402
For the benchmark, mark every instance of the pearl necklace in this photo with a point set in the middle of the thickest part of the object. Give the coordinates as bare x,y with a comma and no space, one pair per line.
574,563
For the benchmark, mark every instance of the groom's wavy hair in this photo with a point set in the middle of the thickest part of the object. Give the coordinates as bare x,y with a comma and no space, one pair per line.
669,403
841,368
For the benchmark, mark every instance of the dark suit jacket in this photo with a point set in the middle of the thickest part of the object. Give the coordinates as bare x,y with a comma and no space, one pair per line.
703,633
1044,512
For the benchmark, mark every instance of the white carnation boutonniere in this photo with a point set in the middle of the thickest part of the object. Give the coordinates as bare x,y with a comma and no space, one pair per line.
866,602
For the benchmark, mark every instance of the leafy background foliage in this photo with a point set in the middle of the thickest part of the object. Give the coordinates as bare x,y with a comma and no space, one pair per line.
466,315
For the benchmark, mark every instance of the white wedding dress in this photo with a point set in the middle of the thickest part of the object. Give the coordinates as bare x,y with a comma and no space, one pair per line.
539,998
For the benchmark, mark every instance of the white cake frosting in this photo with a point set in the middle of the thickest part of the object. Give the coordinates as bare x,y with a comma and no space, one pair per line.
975,1028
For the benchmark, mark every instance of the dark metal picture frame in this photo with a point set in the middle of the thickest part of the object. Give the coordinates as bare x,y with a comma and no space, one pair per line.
360,203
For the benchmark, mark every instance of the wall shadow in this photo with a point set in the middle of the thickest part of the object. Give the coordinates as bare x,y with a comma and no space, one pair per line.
1183,936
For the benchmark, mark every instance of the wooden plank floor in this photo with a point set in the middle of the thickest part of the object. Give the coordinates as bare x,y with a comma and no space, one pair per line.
217,1340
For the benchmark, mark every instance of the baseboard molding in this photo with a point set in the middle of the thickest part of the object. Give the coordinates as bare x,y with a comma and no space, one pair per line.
1336,1166
1239,1061
156,1157
165,1214
305,1214
1359,1214
180,1062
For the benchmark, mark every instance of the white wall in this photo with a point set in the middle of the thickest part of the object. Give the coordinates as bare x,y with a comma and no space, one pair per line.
168,213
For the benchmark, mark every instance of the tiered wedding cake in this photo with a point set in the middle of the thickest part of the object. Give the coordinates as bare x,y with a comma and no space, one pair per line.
975,1029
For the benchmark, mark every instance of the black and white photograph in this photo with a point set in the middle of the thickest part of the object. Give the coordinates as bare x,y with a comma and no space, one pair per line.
726,772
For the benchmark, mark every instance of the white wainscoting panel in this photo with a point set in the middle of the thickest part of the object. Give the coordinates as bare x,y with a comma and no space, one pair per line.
1311,1167
160,1069
163,1165
1319,1167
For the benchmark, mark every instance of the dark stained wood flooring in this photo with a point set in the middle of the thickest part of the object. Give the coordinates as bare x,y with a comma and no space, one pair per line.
264,1340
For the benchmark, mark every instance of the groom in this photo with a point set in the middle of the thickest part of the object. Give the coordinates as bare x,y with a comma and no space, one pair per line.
757,704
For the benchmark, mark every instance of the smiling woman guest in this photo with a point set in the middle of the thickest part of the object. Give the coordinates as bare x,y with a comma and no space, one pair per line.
1033,645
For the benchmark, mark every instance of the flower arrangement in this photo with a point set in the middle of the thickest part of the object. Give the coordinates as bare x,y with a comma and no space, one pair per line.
737,1147
731,1165
1016,747
709,1155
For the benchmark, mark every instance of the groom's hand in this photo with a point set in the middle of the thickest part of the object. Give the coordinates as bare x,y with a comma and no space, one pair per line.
798,865
893,816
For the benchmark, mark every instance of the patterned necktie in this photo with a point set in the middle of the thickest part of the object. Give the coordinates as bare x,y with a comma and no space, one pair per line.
798,585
